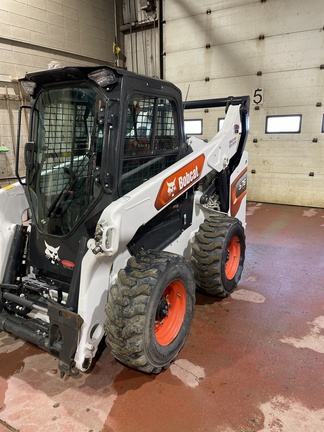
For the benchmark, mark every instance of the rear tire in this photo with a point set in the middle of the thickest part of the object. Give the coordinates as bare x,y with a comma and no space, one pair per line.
149,310
218,255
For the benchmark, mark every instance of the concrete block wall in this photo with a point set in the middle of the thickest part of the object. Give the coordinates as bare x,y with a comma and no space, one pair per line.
34,33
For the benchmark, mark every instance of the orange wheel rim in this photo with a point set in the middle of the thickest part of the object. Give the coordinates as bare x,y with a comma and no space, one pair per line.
233,257
170,313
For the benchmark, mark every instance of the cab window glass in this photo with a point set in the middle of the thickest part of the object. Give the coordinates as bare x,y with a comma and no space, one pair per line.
151,139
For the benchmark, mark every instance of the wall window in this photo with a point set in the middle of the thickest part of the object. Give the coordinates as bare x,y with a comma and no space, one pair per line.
277,124
193,127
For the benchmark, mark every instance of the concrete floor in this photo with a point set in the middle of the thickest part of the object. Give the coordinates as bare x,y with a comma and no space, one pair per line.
252,362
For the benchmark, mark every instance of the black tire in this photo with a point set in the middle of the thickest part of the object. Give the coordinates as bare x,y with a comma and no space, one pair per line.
144,328
218,255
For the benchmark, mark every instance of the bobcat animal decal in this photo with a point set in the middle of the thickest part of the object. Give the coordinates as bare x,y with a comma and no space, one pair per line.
171,188
51,253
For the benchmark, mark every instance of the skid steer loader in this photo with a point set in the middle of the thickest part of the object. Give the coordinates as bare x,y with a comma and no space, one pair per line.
117,218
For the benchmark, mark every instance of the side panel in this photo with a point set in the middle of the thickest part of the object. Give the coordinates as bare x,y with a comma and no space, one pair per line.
97,275
238,189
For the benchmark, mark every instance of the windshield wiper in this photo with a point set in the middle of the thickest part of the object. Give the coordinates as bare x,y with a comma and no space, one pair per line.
66,191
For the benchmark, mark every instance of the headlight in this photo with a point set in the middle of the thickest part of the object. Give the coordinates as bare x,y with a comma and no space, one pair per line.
28,87
103,77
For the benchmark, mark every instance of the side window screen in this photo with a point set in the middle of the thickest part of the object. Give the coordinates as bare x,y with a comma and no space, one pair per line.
140,113
166,136
151,139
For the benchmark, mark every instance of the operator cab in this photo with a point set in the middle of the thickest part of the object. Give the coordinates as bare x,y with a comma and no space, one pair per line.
95,135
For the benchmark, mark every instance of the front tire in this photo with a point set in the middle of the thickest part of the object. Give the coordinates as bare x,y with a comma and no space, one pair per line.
218,255
149,310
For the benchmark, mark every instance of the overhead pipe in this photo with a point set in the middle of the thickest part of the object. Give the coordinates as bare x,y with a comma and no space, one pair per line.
161,19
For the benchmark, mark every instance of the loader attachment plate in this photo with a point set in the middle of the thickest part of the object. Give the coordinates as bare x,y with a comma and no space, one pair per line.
59,337
63,336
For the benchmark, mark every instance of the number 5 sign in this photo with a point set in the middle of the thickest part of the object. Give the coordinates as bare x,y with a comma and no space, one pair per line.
258,96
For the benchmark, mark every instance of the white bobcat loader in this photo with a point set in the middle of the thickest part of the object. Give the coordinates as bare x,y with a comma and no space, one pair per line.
126,218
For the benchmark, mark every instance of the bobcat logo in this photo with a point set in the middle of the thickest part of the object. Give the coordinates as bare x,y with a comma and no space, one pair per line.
172,188
51,253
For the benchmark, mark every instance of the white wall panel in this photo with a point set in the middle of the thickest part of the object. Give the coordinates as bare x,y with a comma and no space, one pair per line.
289,59
248,57
283,188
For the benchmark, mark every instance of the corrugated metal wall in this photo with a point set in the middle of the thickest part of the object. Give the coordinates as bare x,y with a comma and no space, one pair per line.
236,47
141,38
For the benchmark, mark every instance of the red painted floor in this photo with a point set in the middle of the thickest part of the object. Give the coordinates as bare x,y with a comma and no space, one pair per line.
252,362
